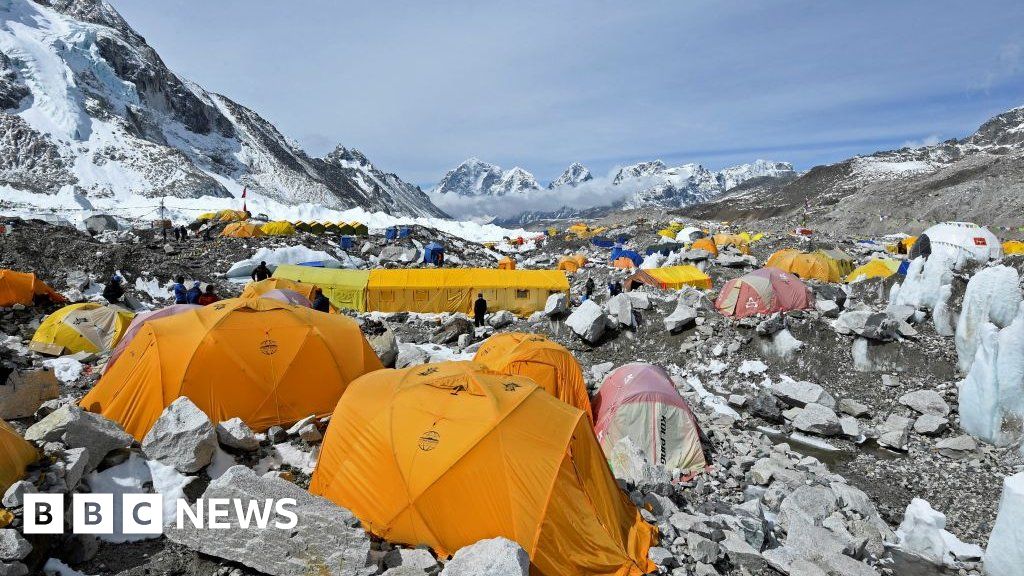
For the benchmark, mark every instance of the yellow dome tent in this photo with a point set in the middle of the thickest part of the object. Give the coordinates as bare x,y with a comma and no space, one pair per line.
670,278
83,327
572,263
15,455
822,265
447,454
1013,247
206,216
23,288
706,244
874,268
242,230
742,244
506,263
279,228
230,215
261,360
346,289
545,362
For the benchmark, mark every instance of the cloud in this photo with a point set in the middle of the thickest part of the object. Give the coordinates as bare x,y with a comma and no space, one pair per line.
930,140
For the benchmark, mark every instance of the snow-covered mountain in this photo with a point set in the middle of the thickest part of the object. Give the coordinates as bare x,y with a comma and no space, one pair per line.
678,186
573,176
87,105
735,175
475,177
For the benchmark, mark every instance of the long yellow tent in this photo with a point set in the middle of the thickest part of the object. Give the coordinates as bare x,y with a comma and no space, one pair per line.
671,278
431,290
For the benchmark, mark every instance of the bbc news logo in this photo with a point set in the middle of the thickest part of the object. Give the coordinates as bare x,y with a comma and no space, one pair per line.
143,514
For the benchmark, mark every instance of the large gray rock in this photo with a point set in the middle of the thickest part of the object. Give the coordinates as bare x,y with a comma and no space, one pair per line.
817,419
409,355
926,402
386,346
183,437
802,393
492,557
419,560
957,447
929,424
868,324
327,539
395,253
451,330
589,322
807,504
14,497
501,318
620,310
556,305
640,299
12,545
236,434
76,428
683,317
895,432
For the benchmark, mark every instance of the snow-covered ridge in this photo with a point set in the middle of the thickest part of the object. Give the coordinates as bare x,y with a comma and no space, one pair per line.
87,106
475,177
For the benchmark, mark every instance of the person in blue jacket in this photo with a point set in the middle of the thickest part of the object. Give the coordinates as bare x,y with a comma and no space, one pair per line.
193,294
180,292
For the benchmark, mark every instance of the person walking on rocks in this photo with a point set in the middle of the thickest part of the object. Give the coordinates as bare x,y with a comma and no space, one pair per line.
180,292
320,302
589,287
261,272
479,310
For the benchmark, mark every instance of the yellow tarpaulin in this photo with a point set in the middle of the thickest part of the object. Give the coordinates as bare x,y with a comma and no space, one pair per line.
875,268
346,289
1013,247
15,455
671,278
454,290
279,228
822,265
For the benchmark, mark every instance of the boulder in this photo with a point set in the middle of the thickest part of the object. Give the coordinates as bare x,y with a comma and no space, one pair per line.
683,317
895,432
418,559
236,434
808,505
492,557
868,324
620,310
801,393
500,319
395,253
853,408
557,305
183,437
701,549
817,419
926,402
849,427
772,325
76,428
12,545
589,322
409,355
25,391
929,424
327,539
450,331
385,345
957,447
639,299
14,497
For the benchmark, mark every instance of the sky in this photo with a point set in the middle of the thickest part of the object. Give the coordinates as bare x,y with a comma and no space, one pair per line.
421,86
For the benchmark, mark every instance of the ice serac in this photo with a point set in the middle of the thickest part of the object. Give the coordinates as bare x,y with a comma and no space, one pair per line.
87,105
574,175
1004,555
991,401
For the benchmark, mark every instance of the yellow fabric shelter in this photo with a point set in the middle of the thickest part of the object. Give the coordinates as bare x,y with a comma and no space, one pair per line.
454,289
206,216
264,361
671,278
1013,247
83,327
15,455
447,454
544,361
742,244
874,268
706,244
822,265
257,289
346,289
506,263
23,288
231,215
572,263
242,230
279,228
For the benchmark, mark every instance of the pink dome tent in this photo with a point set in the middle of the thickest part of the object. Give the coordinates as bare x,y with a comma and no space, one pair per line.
141,319
639,401
763,291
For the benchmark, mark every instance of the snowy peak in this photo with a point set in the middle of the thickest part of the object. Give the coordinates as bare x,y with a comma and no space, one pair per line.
641,170
736,175
477,178
573,176
86,105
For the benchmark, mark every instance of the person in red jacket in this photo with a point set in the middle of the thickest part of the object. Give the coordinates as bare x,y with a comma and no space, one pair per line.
208,297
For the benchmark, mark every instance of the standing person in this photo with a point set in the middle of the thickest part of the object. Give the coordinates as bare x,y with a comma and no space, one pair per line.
193,294
208,297
180,291
320,302
113,291
261,272
177,234
589,287
184,232
479,310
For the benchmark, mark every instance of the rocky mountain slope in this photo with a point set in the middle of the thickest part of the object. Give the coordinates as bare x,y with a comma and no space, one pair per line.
87,105
574,175
977,178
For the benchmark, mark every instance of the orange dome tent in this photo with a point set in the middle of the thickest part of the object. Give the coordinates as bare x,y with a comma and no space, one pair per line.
23,288
447,454
257,289
763,291
506,263
741,243
545,362
706,244
15,454
242,230
623,262
264,361
572,263
822,265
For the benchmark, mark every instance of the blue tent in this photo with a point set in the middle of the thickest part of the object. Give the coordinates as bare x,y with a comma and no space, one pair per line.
346,242
620,252
902,271
602,242
404,232
314,264
391,233
431,251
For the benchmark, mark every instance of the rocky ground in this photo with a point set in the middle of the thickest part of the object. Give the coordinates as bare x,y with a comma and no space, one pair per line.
822,425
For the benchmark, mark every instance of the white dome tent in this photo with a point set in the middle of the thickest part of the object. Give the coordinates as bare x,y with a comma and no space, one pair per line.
962,242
